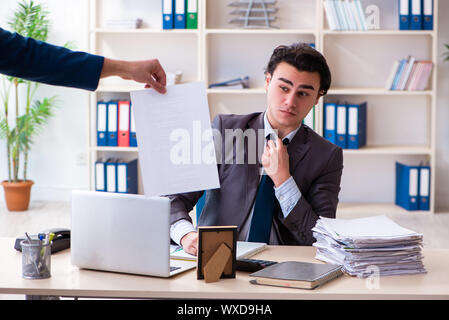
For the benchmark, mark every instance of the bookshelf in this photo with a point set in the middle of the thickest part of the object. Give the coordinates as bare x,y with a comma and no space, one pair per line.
360,62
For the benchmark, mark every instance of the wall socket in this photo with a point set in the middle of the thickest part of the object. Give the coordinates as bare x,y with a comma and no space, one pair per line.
81,159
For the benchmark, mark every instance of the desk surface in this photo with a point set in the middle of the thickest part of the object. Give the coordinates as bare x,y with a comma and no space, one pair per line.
68,280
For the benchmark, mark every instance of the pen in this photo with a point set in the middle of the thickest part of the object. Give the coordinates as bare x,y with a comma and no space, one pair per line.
31,257
28,237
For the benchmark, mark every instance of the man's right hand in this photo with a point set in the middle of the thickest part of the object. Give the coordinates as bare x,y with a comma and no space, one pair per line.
190,243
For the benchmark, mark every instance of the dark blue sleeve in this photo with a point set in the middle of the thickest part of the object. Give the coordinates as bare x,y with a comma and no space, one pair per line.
38,61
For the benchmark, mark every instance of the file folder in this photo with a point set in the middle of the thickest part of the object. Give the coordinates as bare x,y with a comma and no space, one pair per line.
356,125
167,14
100,176
180,14
112,123
192,14
427,22
123,123
404,14
330,122
415,16
127,177
424,188
102,121
132,128
111,175
341,132
407,182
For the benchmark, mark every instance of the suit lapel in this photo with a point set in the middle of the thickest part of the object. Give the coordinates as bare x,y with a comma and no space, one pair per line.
298,148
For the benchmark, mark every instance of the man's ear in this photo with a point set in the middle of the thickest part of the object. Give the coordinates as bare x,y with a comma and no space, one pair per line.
319,95
267,80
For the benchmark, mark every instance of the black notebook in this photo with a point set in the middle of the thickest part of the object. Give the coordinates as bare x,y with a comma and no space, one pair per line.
296,274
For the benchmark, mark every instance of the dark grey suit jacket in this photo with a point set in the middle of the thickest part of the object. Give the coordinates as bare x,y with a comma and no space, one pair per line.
316,166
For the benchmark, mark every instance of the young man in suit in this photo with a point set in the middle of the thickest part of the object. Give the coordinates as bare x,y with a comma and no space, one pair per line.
39,61
303,170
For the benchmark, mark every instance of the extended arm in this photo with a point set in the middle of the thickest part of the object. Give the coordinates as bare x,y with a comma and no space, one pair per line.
39,61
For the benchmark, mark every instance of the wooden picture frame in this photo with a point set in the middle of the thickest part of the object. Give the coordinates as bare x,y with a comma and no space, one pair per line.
217,248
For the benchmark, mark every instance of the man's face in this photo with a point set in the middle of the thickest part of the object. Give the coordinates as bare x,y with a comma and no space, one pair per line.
291,94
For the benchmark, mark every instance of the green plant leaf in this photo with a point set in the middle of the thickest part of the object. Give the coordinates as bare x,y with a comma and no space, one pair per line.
30,20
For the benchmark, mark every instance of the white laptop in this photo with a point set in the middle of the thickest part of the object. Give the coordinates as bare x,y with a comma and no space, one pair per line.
123,233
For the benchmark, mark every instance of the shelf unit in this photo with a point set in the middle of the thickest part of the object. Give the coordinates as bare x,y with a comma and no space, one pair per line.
217,51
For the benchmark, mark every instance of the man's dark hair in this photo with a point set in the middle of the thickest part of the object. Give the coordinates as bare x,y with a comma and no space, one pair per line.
304,58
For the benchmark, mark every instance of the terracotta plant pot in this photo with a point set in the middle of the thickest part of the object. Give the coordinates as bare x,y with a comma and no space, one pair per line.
17,194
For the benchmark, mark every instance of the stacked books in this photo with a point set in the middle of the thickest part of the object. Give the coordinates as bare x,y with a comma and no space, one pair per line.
345,15
369,245
409,74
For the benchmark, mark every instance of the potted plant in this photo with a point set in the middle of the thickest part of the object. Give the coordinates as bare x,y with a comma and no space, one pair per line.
19,129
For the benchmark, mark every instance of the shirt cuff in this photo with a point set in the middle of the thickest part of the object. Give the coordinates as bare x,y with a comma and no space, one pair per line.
179,229
288,195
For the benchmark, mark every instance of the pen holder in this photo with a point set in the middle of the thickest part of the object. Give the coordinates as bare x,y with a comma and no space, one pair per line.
36,259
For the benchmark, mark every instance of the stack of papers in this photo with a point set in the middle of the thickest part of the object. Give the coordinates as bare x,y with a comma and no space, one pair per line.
366,245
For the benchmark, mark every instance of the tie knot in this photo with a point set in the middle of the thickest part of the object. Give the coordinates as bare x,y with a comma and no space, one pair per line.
285,141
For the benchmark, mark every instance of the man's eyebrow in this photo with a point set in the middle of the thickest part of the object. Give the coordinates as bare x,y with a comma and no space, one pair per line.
302,86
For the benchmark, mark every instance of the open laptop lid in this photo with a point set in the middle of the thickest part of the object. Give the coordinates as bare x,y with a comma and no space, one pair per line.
120,232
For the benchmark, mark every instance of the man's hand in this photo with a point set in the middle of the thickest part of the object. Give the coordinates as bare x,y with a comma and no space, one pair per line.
149,72
275,161
190,243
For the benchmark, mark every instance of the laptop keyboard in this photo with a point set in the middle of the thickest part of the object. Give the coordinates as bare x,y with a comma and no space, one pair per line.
174,268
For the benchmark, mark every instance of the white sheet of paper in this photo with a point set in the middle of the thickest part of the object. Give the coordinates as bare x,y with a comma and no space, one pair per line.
175,141
375,226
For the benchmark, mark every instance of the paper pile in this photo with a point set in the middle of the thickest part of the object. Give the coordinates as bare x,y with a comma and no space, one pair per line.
366,245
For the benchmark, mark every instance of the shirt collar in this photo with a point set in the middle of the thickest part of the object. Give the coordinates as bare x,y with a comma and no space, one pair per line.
269,130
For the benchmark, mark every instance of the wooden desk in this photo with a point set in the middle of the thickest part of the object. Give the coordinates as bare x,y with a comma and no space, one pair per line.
67,280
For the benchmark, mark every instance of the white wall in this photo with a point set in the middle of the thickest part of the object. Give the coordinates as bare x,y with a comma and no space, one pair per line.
442,140
54,162
57,156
